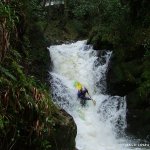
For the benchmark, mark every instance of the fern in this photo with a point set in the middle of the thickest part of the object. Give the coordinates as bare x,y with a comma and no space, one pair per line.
7,73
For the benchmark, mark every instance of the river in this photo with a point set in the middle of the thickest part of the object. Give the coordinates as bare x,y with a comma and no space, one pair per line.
100,126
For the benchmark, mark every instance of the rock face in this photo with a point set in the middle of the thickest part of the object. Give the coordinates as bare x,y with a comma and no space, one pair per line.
120,79
127,76
64,133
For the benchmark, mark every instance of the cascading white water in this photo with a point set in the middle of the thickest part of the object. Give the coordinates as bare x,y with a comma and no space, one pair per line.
99,127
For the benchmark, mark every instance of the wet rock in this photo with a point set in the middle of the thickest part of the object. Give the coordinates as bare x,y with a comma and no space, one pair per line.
128,76
64,133
98,43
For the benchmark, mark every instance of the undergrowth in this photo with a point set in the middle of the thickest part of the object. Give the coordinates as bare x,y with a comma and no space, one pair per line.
25,106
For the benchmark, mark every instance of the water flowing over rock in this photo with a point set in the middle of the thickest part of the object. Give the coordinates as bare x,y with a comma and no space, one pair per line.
64,132
101,126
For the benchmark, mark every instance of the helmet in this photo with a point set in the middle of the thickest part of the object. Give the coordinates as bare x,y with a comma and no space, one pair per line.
77,85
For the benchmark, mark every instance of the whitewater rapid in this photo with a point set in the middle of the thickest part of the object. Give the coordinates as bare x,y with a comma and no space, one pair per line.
99,127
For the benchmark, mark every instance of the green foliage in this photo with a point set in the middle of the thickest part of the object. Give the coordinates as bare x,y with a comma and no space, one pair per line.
147,46
45,145
1,123
25,104
84,9
7,73
9,13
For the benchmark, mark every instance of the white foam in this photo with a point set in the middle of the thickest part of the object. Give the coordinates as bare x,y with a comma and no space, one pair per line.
97,126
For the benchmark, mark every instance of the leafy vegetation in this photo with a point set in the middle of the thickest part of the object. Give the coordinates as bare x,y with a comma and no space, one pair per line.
28,118
27,27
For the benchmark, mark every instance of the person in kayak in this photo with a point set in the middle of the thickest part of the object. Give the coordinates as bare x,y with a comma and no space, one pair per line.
82,95
82,91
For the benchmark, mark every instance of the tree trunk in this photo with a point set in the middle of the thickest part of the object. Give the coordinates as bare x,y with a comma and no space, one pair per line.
66,10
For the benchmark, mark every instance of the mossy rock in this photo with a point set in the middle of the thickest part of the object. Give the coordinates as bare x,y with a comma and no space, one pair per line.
64,133
99,40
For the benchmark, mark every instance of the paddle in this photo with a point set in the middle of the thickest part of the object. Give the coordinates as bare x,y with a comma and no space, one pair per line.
94,102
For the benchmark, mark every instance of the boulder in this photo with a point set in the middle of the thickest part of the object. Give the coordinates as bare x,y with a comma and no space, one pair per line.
64,133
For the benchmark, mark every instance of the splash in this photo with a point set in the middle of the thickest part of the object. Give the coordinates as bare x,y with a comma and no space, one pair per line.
99,127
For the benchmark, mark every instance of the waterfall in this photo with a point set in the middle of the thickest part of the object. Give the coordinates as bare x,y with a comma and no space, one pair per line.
99,127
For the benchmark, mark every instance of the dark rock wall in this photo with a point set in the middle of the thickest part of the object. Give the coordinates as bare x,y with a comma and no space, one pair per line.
64,133
125,78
